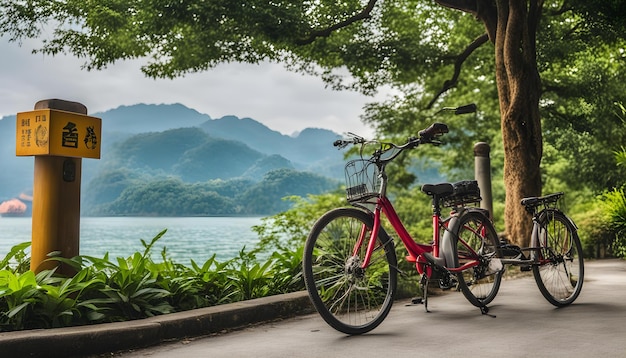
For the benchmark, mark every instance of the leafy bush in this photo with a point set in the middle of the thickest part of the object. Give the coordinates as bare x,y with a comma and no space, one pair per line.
602,224
595,236
105,290
614,207
16,260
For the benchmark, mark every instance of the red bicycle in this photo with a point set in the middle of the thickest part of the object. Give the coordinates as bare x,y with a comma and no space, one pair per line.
350,265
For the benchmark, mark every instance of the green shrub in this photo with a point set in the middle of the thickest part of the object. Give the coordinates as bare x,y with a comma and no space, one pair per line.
17,260
596,238
198,285
614,207
105,290
288,271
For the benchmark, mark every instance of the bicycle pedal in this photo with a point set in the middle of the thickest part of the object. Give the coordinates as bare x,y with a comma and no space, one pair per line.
417,301
525,268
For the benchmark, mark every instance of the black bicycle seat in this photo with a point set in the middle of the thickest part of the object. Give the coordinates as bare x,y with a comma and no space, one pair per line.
536,201
440,190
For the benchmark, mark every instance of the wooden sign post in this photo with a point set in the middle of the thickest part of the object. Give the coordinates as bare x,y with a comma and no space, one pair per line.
59,134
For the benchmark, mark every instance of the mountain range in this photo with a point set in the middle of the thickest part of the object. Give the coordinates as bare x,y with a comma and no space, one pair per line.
168,159
310,150
147,142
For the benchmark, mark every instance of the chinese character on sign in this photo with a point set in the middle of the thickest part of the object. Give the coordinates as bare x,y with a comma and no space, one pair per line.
70,136
26,137
91,140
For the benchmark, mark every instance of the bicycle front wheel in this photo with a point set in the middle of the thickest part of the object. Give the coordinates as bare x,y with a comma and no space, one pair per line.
477,241
560,272
350,298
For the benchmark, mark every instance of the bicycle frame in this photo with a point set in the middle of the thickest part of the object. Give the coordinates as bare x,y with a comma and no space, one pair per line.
415,250
382,204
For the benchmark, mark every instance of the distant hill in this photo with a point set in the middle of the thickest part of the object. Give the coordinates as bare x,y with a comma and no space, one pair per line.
307,151
311,149
192,155
144,118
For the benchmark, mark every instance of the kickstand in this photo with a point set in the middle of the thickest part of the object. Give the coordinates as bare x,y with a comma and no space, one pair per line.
424,286
485,311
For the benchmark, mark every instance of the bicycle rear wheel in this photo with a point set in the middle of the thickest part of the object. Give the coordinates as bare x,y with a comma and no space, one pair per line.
476,240
561,272
351,299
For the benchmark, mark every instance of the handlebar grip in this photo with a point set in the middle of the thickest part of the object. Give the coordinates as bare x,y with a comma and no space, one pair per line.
468,108
435,129
338,143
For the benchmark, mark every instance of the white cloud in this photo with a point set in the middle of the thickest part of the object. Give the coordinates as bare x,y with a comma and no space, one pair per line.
281,100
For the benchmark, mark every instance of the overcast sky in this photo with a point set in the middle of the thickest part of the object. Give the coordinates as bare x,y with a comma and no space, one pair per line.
282,100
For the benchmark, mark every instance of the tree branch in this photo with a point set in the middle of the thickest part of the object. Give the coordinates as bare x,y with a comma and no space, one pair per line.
364,14
460,59
469,6
483,10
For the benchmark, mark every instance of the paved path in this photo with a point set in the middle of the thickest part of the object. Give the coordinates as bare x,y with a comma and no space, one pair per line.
526,326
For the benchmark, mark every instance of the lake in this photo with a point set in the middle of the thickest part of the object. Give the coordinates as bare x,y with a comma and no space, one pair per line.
187,238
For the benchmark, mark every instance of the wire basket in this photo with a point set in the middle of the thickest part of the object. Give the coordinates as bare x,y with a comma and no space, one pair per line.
465,192
362,180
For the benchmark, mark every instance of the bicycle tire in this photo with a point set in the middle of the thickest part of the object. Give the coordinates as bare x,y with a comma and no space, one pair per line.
350,299
561,271
476,239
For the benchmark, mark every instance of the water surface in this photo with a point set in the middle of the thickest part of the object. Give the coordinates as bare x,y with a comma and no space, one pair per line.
189,238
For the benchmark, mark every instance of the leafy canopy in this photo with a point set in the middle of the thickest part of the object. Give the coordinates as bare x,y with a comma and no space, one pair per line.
389,42
419,47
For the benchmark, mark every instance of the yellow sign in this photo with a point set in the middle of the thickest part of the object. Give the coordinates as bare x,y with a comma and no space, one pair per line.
58,133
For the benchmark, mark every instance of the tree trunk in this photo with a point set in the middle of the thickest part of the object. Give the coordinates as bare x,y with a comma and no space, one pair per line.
518,84
512,27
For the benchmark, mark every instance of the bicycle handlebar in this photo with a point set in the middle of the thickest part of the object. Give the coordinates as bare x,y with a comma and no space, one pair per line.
342,143
426,136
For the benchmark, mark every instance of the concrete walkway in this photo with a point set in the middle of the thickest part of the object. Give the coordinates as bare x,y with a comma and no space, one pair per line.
526,325
113,337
